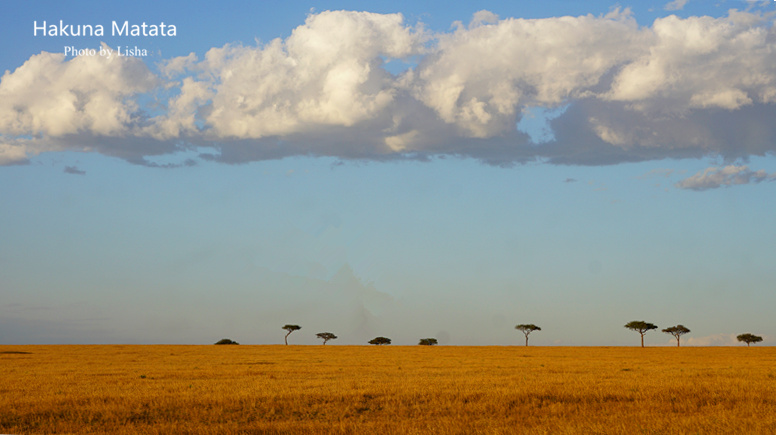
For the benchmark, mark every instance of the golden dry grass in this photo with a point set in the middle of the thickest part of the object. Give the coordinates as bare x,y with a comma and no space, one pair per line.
386,390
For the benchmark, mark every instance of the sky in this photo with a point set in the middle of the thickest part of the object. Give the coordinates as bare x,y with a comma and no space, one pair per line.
399,169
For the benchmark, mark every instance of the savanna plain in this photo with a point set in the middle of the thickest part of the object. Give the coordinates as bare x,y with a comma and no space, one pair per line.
386,389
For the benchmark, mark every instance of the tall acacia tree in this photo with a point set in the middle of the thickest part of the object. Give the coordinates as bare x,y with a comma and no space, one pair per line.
527,329
290,329
677,331
641,327
749,338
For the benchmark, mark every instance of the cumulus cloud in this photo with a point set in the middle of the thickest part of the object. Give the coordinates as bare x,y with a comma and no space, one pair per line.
714,177
53,97
701,63
682,87
327,73
479,77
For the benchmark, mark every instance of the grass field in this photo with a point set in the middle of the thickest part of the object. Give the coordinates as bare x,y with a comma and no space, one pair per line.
386,389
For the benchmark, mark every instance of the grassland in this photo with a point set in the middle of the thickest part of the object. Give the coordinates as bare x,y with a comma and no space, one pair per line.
386,390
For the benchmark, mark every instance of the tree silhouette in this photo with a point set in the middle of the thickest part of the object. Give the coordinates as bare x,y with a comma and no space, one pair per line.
380,340
326,336
290,329
641,327
527,329
677,331
226,341
428,341
749,338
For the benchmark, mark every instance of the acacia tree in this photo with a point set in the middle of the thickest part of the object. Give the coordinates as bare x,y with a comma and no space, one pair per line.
749,338
527,329
641,327
677,331
428,341
290,329
326,336
380,340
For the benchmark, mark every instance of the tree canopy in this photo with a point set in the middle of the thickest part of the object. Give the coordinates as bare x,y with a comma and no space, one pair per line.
326,336
226,341
677,331
749,338
380,340
526,329
641,327
428,341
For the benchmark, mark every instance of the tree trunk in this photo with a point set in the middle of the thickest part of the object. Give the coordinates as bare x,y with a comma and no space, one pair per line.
287,338
677,341
642,340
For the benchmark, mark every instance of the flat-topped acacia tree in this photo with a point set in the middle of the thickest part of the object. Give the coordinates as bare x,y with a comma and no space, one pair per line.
677,331
641,327
527,329
326,336
290,329
749,338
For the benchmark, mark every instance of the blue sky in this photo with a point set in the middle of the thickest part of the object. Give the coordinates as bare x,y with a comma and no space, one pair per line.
448,172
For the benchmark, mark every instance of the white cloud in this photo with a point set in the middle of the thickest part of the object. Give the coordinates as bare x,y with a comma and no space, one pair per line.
676,5
478,78
682,87
701,62
177,65
327,73
483,17
181,117
712,340
48,95
712,178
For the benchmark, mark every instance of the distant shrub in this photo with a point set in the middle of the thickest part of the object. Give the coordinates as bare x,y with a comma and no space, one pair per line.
428,341
380,341
226,341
